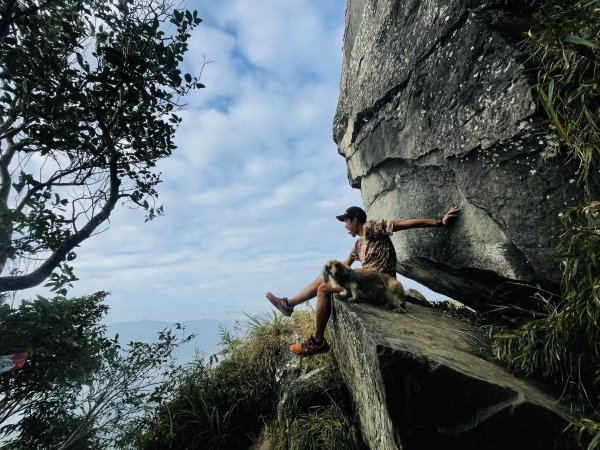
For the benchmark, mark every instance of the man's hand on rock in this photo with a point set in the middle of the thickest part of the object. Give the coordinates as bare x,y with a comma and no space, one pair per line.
450,216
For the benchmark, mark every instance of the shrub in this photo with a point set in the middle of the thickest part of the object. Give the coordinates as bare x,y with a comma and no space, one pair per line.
224,405
563,345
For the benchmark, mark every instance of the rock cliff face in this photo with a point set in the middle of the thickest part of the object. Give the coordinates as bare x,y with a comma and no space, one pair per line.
418,383
436,110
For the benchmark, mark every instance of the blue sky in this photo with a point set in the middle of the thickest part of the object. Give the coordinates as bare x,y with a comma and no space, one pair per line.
252,191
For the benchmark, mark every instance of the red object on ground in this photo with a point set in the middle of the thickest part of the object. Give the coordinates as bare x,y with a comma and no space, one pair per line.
12,362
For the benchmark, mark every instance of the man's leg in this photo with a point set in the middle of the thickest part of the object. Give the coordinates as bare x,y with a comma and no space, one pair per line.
310,291
317,344
287,305
323,311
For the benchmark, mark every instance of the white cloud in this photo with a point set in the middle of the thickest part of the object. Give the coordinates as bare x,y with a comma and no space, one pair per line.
290,39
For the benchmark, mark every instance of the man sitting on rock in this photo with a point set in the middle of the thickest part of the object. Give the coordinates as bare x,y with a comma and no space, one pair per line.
374,250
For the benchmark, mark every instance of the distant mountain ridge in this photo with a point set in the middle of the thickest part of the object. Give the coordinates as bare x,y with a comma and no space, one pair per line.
206,342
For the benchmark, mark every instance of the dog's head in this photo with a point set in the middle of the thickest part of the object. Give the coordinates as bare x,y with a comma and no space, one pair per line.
335,270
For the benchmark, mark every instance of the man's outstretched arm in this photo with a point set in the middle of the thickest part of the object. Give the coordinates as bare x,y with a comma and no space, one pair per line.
422,223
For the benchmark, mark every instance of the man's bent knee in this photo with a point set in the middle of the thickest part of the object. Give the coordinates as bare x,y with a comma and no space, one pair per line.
326,288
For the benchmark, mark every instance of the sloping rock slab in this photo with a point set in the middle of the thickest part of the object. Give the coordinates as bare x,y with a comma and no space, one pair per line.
419,381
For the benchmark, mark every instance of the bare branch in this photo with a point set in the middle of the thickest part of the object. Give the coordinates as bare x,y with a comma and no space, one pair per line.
53,181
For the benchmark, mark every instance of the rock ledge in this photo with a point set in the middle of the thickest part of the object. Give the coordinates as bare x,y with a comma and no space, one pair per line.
420,381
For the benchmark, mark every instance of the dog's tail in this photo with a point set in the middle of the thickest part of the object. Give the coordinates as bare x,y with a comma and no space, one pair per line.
396,298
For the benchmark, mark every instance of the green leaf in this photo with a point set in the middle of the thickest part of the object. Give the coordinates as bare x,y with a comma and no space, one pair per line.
547,104
506,336
573,39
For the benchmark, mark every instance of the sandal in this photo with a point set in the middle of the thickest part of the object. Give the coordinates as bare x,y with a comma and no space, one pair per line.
310,347
282,305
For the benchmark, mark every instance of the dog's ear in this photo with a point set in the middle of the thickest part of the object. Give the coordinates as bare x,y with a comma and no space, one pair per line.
325,273
335,271
340,271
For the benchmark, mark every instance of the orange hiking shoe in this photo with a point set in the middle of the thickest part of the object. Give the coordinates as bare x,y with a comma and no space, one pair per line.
310,347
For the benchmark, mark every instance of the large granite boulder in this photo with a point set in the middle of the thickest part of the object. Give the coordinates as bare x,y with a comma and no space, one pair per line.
420,381
436,110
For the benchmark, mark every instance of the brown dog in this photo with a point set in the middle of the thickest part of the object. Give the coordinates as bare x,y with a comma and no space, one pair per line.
365,285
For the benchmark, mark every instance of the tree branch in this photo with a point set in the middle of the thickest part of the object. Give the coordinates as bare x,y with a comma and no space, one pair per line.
11,13
15,131
5,177
13,283
52,181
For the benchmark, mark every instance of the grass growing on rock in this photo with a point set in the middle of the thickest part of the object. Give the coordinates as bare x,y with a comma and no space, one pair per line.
565,42
324,428
231,401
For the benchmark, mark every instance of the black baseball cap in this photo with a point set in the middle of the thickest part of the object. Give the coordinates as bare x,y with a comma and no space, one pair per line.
353,212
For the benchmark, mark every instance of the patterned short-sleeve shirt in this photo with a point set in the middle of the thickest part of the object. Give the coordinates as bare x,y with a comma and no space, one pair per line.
374,249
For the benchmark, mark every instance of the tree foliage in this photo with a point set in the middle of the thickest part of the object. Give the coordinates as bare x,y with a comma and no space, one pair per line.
89,91
79,388
65,344
132,382
61,338
566,43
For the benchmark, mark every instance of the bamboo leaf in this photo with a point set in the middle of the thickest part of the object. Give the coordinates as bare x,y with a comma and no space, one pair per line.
573,39
552,114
